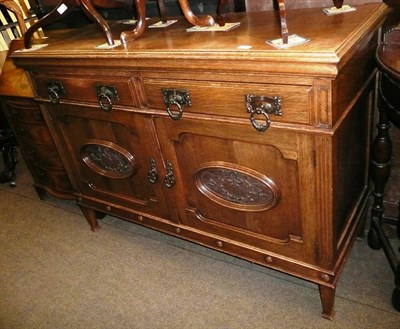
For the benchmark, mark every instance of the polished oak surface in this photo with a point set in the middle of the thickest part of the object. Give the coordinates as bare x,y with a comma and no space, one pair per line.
330,43
219,138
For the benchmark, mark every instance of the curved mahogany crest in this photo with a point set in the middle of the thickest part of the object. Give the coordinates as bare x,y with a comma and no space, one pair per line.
237,187
108,159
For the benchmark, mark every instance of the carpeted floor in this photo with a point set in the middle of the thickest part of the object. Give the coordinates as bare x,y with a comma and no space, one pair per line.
55,273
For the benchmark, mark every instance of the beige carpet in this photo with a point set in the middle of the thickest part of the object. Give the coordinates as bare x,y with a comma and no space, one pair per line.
55,273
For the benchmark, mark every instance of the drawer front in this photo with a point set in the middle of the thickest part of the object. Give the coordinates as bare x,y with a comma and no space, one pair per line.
118,90
46,155
230,99
24,110
36,133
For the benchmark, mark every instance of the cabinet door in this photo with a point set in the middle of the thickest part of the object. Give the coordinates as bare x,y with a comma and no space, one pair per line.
240,184
114,156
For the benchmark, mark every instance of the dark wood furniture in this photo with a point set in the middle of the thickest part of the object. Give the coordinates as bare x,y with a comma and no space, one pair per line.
388,58
221,139
34,140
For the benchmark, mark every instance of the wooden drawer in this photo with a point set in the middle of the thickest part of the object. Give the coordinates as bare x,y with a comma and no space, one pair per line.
46,155
229,99
24,110
85,88
36,133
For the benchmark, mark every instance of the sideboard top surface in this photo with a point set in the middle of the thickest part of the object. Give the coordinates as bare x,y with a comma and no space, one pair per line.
332,40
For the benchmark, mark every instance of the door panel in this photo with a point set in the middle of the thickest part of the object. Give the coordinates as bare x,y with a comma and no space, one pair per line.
112,155
235,182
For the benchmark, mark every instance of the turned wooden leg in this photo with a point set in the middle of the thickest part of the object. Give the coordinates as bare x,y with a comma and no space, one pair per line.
206,20
327,295
140,25
91,217
380,172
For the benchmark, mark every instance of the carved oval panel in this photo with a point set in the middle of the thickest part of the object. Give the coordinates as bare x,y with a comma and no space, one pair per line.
108,159
237,187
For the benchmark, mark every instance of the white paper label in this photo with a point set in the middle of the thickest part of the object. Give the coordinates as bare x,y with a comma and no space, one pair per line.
61,10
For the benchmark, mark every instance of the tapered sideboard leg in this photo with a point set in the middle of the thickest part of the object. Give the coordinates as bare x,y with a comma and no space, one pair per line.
327,295
91,217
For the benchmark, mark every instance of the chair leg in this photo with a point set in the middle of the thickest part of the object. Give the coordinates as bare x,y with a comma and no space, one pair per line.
220,13
62,9
92,13
140,25
284,28
206,20
162,10
338,3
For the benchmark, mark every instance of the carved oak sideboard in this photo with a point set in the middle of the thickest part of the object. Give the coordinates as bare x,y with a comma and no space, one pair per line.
221,139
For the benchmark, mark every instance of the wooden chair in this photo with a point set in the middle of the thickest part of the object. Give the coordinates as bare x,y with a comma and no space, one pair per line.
17,11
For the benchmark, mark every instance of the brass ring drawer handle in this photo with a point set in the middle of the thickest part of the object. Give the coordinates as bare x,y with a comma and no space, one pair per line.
264,106
106,95
177,98
55,90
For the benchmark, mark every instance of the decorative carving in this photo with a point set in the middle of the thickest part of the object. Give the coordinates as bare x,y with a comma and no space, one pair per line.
237,188
108,159
169,179
153,174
